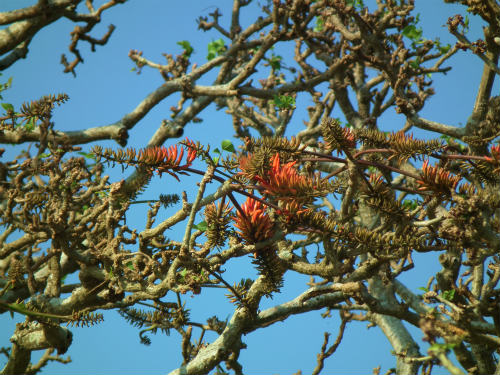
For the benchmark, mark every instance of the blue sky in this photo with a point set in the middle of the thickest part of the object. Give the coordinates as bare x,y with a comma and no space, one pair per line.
105,89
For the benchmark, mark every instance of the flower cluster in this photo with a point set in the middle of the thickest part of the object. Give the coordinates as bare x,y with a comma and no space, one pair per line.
217,218
495,154
283,182
159,158
337,137
437,179
171,159
253,222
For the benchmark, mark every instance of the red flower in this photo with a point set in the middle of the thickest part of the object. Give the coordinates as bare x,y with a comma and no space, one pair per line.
246,166
285,183
254,223
495,154
168,159
437,179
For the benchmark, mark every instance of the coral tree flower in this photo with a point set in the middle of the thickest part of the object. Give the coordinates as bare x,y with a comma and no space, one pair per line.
495,154
253,223
437,179
285,183
168,159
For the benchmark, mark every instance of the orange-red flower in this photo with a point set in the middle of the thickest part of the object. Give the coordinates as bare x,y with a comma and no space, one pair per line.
284,182
437,179
495,154
245,166
349,138
253,223
168,159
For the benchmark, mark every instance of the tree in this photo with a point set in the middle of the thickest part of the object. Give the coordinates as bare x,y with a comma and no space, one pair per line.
341,201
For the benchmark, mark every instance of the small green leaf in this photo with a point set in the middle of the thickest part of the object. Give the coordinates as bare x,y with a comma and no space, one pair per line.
444,49
30,124
415,64
358,4
423,288
284,101
202,226
8,107
413,33
87,155
435,348
275,62
466,23
448,294
130,266
186,46
227,145
215,48
320,23
410,204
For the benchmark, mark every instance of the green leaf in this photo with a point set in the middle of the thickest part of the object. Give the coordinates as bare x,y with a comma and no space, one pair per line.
439,348
227,145
87,155
320,23
357,4
275,62
130,265
5,86
8,107
410,204
466,23
201,226
284,101
413,33
444,49
435,348
183,273
186,46
415,64
448,294
30,124
423,288
215,48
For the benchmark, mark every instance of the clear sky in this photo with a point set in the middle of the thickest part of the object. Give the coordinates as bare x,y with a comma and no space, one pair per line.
105,89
